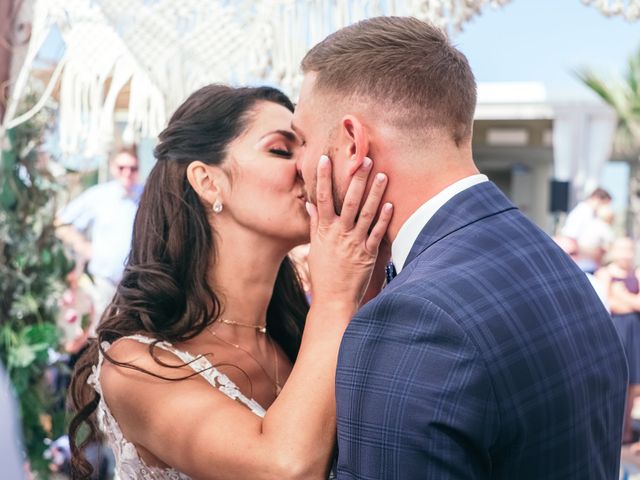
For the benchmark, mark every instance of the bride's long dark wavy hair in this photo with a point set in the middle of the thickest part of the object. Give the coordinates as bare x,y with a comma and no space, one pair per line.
164,291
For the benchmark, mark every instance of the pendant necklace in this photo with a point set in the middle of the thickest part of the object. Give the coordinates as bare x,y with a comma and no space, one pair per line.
276,382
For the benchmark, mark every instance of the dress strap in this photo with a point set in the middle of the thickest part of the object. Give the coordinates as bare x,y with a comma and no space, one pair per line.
199,364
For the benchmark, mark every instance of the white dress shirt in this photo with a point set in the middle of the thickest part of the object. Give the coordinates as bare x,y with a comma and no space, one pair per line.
106,212
411,228
579,220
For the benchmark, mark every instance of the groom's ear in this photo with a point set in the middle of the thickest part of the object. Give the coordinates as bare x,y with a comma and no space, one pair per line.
355,140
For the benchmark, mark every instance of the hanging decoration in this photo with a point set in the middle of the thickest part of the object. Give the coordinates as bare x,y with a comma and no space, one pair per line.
628,9
158,51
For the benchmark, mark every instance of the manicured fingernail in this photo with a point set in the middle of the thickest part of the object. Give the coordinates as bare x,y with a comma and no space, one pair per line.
324,160
380,177
387,207
309,207
366,163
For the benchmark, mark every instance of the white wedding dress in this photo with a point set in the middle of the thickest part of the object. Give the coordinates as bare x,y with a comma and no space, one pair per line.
129,465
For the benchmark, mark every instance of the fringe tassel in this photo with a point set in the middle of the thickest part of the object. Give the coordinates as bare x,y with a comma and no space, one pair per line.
166,49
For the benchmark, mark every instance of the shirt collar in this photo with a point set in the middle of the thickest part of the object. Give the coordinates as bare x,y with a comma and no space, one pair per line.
412,227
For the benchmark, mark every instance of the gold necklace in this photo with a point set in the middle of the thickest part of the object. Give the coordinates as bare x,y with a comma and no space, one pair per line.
276,382
260,328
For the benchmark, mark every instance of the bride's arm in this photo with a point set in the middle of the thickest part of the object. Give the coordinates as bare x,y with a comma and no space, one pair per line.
203,433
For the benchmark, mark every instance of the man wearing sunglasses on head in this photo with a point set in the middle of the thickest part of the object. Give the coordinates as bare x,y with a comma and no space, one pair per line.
98,225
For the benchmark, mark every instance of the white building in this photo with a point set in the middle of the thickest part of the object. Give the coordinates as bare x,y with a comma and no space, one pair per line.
522,141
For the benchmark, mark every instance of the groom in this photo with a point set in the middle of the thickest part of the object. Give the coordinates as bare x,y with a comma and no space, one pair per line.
489,355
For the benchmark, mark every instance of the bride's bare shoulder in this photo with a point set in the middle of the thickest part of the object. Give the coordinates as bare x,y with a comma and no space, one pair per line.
129,362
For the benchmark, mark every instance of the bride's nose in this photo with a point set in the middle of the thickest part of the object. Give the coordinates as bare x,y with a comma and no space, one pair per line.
299,165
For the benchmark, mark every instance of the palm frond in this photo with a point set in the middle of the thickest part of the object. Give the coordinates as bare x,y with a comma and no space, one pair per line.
633,74
602,88
624,98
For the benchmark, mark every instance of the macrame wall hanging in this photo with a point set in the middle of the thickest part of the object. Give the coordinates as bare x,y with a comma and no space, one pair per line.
162,50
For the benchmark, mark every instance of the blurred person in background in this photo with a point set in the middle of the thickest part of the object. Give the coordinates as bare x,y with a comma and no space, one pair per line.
98,226
99,455
596,239
11,463
570,247
583,215
622,284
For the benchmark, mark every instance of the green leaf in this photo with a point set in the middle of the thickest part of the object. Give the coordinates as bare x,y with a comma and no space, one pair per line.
600,87
7,196
21,356
24,306
624,98
46,257
41,333
8,155
85,321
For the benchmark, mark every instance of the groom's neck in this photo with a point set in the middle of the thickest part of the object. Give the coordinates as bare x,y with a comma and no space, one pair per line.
416,177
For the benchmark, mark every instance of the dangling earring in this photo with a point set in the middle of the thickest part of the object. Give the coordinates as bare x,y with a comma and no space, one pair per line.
217,206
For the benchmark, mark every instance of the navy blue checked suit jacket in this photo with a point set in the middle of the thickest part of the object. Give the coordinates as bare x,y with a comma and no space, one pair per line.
489,356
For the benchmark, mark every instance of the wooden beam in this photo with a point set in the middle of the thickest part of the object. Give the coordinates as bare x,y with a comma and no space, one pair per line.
6,37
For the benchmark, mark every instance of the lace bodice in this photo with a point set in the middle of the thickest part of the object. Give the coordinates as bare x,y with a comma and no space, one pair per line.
129,465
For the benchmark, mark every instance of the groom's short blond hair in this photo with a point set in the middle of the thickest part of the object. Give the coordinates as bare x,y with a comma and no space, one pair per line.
406,66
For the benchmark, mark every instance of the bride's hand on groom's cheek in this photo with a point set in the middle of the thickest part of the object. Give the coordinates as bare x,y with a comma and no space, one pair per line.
344,247
378,275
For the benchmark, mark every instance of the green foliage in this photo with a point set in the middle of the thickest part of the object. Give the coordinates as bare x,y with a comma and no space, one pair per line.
624,97
33,267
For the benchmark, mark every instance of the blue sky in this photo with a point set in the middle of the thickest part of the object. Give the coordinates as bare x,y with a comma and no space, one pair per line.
544,40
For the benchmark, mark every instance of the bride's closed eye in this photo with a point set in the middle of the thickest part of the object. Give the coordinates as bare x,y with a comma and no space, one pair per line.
282,152
280,142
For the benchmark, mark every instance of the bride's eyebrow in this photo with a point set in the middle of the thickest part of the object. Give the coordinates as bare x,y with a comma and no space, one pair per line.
289,135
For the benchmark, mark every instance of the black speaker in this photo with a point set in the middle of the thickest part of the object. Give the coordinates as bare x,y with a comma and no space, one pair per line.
559,196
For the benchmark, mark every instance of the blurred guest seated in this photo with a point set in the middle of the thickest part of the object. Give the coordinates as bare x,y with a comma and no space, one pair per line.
622,282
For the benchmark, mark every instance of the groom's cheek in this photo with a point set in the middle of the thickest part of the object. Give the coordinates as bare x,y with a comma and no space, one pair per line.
310,187
339,194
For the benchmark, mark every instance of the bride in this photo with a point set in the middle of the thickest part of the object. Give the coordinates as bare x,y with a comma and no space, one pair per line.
192,374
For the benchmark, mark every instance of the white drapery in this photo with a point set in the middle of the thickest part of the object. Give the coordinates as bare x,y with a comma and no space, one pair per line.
582,143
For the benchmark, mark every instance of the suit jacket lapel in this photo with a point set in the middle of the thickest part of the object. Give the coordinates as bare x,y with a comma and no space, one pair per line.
478,202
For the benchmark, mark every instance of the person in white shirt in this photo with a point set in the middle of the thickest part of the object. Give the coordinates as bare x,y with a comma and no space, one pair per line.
584,213
98,225
596,240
